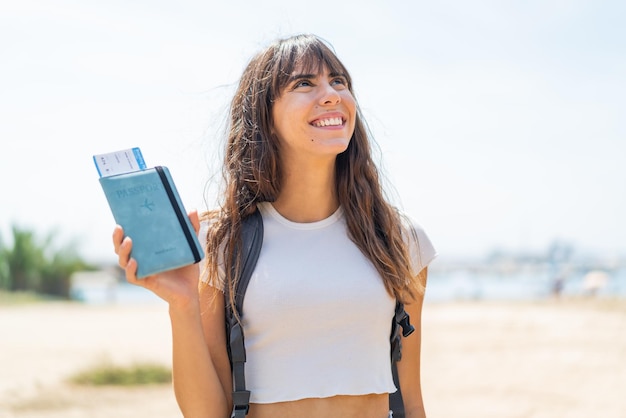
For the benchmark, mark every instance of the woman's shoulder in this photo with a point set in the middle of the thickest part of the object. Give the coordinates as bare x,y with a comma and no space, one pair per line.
208,221
421,248
210,216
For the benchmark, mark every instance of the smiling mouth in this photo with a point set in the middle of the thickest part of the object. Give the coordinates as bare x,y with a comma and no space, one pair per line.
320,123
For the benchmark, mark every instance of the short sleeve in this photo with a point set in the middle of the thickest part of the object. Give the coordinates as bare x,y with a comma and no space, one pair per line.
421,248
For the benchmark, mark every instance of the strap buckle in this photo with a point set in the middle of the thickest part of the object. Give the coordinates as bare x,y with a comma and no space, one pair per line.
241,403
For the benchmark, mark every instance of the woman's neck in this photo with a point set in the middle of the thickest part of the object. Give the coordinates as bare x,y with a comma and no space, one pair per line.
308,193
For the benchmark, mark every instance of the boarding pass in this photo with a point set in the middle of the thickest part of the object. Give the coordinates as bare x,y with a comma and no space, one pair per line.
119,162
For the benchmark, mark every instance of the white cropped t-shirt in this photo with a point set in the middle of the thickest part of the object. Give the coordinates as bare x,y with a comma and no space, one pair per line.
316,315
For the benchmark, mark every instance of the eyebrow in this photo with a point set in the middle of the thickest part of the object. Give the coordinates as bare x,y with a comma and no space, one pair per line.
296,77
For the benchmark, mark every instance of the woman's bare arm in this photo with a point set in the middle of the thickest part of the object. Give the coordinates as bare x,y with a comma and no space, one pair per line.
409,365
198,381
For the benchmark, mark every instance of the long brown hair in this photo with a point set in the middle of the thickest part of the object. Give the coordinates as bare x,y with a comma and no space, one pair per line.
252,170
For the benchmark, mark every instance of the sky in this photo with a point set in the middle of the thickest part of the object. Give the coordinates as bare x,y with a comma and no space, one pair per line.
498,124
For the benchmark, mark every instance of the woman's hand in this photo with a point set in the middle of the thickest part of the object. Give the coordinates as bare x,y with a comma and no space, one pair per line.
178,287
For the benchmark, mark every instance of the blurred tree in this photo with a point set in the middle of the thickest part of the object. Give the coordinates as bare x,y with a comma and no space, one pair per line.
38,266
57,272
4,269
23,261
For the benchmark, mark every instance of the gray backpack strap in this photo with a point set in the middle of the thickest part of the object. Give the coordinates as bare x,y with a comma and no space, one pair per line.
399,325
252,240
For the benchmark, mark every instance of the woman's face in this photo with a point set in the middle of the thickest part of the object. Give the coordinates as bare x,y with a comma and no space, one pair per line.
314,116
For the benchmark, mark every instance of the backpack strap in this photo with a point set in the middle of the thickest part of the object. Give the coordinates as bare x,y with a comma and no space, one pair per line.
400,326
252,240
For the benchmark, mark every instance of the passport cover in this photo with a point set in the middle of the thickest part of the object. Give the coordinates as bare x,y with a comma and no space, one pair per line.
147,205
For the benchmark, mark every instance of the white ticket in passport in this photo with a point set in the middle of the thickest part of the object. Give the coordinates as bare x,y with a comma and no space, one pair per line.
119,162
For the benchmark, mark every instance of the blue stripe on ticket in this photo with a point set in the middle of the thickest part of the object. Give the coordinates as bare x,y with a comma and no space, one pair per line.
139,158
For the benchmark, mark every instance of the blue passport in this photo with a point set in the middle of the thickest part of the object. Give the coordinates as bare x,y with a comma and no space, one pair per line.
147,205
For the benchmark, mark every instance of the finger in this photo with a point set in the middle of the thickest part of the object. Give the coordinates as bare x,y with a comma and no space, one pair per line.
131,271
195,221
131,276
123,252
118,236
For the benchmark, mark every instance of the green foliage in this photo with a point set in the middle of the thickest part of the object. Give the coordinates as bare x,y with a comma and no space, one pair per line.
38,265
4,268
138,374
23,261
21,298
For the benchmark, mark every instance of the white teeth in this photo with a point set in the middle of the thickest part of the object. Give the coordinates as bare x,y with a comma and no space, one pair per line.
329,122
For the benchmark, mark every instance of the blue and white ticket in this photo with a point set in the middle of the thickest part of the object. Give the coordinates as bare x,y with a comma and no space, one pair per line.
119,162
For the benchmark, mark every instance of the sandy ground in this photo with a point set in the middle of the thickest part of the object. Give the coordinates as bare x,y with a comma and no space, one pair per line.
556,359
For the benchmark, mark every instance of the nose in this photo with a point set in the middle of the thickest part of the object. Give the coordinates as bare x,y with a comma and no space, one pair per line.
329,95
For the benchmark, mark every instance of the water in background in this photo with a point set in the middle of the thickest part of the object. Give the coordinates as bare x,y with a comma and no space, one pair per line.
443,286
119,293
467,285
106,287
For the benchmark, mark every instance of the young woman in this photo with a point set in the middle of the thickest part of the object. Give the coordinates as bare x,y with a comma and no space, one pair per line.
335,257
